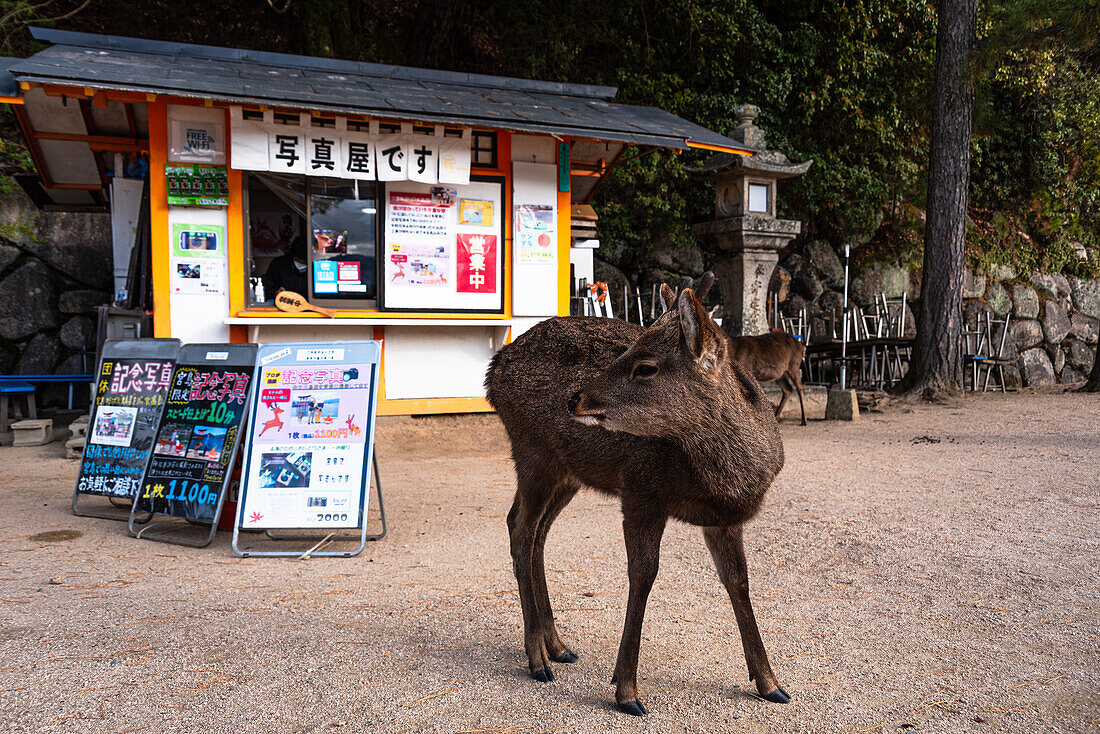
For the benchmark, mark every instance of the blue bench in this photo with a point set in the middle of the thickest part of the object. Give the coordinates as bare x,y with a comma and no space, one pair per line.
14,381
12,389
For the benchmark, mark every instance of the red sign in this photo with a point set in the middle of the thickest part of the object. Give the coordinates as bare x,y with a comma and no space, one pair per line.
274,395
477,263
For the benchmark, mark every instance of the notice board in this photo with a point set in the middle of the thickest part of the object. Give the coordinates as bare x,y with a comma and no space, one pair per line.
310,436
131,387
443,247
200,429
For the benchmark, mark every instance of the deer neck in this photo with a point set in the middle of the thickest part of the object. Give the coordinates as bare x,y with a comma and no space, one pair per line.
734,451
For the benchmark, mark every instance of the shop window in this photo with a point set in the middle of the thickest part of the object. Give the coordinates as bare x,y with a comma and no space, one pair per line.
314,236
484,149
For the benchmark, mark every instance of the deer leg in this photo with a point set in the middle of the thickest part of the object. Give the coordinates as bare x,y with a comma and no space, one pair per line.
643,551
782,382
533,496
555,648
795,376
728,551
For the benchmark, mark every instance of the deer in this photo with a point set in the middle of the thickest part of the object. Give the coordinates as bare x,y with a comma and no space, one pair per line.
276,421
661,417
775,356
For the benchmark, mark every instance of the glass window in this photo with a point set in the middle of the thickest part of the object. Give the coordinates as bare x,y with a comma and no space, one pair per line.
484,149
343,240
758,198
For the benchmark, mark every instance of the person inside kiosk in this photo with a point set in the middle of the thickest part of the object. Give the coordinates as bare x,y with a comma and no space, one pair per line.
288,271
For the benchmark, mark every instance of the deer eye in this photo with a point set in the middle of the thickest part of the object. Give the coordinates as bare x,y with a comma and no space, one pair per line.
643,370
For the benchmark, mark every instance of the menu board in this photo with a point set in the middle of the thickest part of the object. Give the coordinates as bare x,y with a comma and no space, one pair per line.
442,247
131,387
310,436
199,432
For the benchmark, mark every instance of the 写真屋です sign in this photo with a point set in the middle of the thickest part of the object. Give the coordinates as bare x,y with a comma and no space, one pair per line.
310,437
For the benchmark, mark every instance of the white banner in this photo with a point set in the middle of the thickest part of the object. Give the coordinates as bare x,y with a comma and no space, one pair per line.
263,145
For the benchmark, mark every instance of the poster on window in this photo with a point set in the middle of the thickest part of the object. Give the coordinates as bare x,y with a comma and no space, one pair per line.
535,235
440,248
199,260
310,436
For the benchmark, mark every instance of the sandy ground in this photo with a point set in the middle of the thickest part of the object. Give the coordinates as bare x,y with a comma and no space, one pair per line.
931,568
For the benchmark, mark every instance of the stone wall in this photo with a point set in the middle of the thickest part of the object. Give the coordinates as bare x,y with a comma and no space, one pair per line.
55,269
1052,338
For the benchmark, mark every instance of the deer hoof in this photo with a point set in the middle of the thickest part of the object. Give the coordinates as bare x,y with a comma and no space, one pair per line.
543,675
566,657
634,708
777,696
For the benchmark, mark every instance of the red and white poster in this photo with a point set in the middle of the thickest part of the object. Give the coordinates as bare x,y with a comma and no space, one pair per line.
477,263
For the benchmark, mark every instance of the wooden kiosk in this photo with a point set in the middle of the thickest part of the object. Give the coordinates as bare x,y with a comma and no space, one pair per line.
431,209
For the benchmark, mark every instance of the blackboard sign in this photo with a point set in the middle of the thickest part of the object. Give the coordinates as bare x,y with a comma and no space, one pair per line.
131,387
199,432
310,437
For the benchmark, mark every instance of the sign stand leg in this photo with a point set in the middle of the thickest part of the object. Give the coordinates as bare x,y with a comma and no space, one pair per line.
123,514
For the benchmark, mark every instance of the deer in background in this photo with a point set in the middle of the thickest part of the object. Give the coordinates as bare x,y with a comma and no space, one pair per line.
664,419
773,356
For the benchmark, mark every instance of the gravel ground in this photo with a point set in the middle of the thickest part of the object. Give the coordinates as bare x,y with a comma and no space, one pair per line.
930,568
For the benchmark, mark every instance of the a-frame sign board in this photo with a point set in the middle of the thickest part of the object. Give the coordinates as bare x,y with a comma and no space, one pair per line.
309,445
195,450
131,387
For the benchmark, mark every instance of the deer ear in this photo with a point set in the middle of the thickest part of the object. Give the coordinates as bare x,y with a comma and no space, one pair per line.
696,333
668,297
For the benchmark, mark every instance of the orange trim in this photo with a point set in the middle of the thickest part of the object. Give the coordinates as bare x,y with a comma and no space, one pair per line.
158,218
565,224
100,142
427,406
11,100
32,145
351,315
235,250
504,163
720,148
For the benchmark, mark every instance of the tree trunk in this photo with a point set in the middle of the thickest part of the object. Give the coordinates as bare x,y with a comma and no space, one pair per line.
1093,385
937,354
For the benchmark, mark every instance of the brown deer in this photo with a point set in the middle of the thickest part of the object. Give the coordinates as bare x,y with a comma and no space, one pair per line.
661,417
773,356
276,422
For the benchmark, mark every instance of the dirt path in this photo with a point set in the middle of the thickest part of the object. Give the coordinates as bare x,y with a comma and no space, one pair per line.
929,568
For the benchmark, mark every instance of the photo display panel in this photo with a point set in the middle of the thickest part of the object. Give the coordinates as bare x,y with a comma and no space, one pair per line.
310,436
443,247
199,432
131,387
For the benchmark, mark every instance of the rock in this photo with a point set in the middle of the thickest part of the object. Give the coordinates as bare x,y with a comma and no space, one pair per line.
1036,368
74,448
816,400
78,332
878,279
843,405
1002,272
1051,285
1024,334
1025,302
794,305
8,357
973,313
683,258
1056,323
997,298
27,302
8,255
1071,376
1057,357
77,244
74,365
615,280
827,262
1086,296
81,301
831,302
40,356
973,285
781,283
1084,327
1080,356
805,281
910,321
32,432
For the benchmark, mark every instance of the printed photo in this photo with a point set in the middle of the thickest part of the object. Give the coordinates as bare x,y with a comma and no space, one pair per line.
114,425
188,270
207,443
285,471
315,409
198,241
328,241
173,439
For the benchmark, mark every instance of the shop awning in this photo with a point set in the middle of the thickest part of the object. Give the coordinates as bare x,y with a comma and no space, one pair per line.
263,78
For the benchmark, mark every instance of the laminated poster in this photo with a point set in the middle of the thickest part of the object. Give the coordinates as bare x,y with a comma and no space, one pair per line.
306,461
419,241
129,396
472,211
198,259
535,236
198,435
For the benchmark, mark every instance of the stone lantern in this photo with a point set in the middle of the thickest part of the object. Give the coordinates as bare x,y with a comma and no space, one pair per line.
745,230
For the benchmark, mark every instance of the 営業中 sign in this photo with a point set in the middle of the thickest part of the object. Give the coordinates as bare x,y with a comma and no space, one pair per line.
310,437
199,433
131,387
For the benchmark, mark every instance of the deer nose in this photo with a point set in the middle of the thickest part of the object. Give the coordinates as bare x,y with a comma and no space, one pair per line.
574,400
